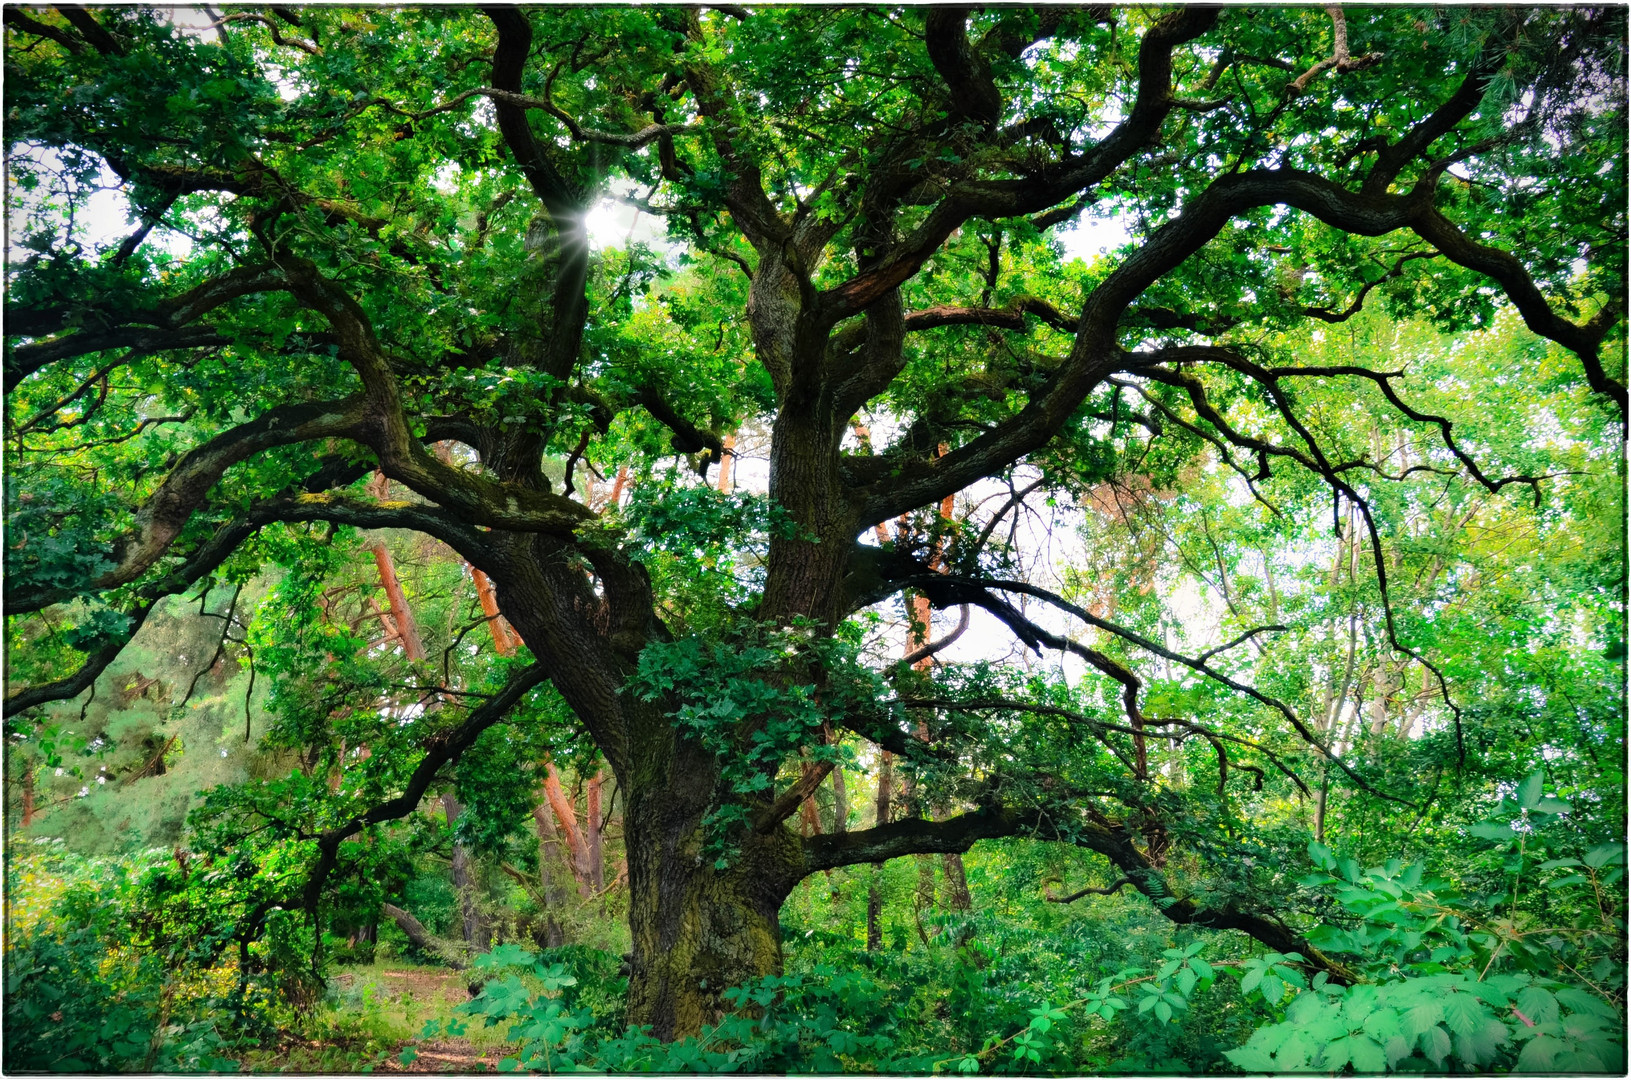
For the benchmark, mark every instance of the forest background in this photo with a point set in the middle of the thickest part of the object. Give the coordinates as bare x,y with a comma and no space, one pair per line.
1075,540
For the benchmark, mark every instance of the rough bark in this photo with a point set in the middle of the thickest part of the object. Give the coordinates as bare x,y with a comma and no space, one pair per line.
703,918
698,927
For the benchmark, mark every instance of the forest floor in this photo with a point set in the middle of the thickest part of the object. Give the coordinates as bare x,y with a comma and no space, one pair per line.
435,987
444,1056
379,1009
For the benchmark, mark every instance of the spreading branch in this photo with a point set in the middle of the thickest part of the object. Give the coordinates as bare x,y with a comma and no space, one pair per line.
915,836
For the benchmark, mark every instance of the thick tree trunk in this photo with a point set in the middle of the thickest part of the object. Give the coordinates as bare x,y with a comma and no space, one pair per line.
698,927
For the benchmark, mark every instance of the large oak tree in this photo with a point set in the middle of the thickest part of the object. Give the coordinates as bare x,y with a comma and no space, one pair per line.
360,241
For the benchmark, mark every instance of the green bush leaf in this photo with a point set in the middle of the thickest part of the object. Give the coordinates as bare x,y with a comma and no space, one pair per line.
1463,1013
1479,1047
1366,1055
1529,792
1539,1053
1539,1005
1435,1044
1491,830
1249,1060
1582,1002
1603,854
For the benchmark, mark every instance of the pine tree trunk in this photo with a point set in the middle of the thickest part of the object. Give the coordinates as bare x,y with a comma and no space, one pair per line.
504,640
566,814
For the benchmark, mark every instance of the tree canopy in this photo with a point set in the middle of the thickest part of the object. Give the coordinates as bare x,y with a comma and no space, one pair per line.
1297,502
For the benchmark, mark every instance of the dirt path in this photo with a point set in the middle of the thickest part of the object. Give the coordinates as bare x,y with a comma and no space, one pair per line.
445,1056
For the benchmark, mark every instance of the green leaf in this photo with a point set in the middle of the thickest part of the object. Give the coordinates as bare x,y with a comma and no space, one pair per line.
1529,792
1163,1011
1435,1044
1366,1055
1581,1002
1336,1055
505,955
1539,1053
1479,1047
408,1055
1603,854
1490,830
1298,1052
1539,1005
1186,980
1248,1060
1463,1013
1361,1001
1382,1025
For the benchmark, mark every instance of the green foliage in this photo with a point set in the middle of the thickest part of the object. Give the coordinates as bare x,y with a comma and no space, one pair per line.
1450,981
748,688
99,980
1338,536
